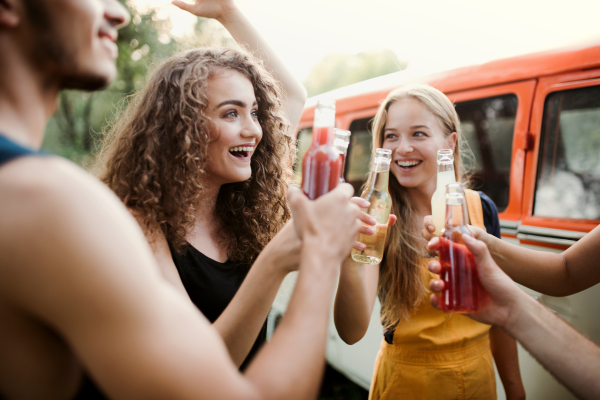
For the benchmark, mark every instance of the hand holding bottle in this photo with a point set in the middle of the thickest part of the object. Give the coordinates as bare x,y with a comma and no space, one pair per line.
330,223
428,230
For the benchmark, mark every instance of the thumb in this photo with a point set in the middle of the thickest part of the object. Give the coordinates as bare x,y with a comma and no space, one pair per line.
482,254
296,199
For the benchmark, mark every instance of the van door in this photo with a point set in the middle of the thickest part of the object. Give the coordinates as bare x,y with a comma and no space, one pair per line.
495,123
561,197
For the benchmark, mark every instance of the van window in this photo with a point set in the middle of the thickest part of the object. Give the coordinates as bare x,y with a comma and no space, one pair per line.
568,176
359,153
488,125
303,141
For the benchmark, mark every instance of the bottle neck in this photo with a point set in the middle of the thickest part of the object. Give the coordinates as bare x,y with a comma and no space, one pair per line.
456,215
445,175
323,135
379,177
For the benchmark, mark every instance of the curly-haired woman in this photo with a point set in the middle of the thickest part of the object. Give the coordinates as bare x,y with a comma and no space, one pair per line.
201,157
425,354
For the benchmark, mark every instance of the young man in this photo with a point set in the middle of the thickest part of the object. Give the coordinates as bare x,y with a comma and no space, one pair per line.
572,358
80,294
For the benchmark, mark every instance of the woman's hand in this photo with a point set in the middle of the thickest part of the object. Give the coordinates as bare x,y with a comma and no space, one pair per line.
217,9
283,251
368,221
429,228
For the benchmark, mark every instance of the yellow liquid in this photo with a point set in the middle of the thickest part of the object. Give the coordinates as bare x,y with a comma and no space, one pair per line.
381,202
375,243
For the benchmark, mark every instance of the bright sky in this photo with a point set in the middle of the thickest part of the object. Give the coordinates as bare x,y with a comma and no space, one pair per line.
427,33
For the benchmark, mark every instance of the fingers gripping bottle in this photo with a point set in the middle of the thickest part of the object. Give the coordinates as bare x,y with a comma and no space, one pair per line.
445,175
341,142
321,163
376,192
462,290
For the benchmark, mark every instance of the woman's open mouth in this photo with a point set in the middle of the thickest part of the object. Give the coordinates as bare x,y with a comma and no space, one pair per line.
408,165
242,152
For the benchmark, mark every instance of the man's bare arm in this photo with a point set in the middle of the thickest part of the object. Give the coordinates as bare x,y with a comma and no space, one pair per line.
80,263
572,358
553,274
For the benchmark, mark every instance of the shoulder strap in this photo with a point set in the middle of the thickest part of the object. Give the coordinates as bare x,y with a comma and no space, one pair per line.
474,208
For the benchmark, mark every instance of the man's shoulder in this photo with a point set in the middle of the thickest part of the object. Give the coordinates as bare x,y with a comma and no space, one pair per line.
37,193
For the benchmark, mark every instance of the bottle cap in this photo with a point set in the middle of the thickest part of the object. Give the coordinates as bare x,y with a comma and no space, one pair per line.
325,113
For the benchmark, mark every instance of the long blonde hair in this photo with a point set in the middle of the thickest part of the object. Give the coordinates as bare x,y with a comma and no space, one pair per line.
401,287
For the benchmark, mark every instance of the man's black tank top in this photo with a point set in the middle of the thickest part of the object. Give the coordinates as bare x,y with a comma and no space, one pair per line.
9,151
211,285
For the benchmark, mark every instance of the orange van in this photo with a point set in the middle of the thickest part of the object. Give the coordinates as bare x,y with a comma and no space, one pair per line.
533,123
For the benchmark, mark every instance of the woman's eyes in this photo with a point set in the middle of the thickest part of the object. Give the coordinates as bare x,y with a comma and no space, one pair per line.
389,136
234,114
419,134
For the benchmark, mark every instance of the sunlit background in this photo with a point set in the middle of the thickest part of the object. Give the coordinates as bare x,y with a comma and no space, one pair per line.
431,33
327,44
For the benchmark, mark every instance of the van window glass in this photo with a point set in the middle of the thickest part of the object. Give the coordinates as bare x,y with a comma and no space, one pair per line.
568,177
359,153
303,141
488,126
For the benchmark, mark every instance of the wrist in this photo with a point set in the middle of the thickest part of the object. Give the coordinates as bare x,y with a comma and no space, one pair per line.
319,255
520,313
230,15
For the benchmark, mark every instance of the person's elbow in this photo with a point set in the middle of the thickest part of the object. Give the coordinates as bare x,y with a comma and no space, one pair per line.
351,333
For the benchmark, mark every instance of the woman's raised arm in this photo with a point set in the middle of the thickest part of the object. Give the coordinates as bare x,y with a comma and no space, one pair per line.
242,30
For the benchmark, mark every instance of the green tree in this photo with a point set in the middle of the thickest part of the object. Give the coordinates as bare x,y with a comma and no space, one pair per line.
341,69
81,117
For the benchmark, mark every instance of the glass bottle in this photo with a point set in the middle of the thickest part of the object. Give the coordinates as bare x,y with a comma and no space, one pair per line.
321,163
445,175
340,143
462,289
376,192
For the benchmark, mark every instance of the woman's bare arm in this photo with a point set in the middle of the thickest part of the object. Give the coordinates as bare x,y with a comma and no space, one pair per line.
506,357
242,30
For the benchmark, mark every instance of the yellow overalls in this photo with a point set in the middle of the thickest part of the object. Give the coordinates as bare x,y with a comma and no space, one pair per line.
437,356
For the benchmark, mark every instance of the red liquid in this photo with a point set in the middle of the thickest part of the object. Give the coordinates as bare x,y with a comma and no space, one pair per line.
342,167
321,164
462,290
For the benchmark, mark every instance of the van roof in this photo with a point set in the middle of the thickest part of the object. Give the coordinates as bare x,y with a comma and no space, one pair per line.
370,92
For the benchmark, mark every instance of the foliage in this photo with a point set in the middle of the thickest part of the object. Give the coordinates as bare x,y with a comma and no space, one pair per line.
341,69
81,117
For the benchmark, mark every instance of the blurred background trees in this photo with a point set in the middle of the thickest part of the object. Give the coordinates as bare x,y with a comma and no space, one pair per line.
81,117
337,70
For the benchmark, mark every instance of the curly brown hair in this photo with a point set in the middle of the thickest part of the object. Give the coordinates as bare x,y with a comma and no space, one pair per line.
154,157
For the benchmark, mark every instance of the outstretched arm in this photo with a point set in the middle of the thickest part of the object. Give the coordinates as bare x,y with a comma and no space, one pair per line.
553,274
242,30
357,290
572,358
98,288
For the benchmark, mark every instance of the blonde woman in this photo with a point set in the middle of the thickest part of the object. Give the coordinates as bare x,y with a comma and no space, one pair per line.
425,354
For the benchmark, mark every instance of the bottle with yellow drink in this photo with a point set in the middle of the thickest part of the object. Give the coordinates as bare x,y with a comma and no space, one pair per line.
376,192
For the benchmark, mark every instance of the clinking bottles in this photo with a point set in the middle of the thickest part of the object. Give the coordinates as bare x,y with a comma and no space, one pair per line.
321,163
340,143
462,290
376,192
445,175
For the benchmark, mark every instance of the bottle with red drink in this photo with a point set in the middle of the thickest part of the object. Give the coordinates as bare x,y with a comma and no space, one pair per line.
462,290
340,143
321,163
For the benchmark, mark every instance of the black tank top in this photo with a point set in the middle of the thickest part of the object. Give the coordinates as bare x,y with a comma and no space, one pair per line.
10,150
211,285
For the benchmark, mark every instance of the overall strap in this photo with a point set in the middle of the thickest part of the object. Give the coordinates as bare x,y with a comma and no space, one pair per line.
474,208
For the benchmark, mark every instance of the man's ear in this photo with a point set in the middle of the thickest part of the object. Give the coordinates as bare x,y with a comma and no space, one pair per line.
10,13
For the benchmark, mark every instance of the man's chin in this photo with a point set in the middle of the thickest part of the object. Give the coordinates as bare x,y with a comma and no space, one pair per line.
86,82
